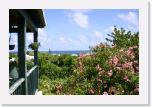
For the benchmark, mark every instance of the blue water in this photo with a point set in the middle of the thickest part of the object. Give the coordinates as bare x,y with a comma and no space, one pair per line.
77,52
68,52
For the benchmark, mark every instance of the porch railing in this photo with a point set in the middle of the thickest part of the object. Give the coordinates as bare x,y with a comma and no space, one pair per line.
32,83
32,80
17,87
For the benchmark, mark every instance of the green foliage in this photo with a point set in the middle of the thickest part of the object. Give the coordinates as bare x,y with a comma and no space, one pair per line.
31,53
34,45
122,38
29,64
12,56
54,66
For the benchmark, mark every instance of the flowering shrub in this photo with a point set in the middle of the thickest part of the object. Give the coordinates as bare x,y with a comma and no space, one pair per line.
111,69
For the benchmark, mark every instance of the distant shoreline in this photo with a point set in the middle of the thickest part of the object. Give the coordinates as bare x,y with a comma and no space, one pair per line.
74,52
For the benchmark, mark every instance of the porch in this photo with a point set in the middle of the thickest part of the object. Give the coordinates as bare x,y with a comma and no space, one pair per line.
22,21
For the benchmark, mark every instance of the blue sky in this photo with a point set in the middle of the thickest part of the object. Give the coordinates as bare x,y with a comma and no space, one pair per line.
79,29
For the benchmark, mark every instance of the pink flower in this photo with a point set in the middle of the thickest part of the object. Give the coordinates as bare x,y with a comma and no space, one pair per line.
126,78
136,69
98,68
115,60
127,65
110,73
130,53
118,68
104,82
105,86
104,93
81,56
136,89
91,91
80,63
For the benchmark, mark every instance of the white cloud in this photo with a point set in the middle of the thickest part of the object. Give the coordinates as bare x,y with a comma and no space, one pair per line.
29,38
83,40
70,40
42,32
63,40
97,33
44,39
79,42
96,38
79,17
42,36
130,17
109,29
132,28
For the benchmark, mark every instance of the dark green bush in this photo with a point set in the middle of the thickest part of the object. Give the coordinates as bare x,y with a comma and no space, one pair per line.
56,66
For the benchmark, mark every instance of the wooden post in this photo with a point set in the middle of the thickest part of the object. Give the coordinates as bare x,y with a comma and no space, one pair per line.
36,57
22,53
36,50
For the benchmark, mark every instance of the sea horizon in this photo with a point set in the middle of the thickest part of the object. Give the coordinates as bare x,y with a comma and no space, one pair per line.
58,52
72,52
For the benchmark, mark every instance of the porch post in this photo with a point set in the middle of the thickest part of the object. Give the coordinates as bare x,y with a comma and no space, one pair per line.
36,50
22,53
36,58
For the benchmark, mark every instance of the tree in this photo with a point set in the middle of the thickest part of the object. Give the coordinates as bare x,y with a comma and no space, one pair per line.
122,38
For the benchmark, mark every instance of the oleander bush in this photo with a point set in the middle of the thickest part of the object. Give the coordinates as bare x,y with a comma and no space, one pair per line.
111,69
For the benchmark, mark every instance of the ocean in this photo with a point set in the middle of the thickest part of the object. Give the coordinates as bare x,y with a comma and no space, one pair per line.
75,52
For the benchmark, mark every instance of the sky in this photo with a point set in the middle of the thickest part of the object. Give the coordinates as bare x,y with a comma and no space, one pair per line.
80,28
